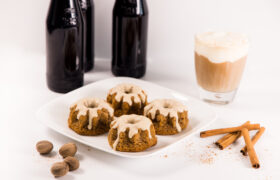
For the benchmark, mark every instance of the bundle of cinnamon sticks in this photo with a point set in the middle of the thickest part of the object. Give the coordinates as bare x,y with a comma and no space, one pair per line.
234,133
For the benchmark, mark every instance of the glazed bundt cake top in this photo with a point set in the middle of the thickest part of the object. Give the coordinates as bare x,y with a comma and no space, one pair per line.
126,91
91,105
131,122
165,107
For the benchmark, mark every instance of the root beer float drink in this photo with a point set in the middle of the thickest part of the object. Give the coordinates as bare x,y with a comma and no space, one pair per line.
220,58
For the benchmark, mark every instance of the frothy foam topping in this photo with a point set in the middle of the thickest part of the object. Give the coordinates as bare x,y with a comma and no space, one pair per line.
221,47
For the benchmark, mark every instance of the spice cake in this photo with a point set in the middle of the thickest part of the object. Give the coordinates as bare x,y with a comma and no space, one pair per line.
127,99
90,116
168,116
132,133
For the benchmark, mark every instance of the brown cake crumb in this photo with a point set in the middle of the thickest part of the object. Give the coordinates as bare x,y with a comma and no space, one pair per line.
207,157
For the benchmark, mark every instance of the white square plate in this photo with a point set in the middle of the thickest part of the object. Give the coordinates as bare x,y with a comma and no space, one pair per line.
55,115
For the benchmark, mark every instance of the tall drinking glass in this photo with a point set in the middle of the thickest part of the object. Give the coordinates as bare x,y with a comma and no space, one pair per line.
220,58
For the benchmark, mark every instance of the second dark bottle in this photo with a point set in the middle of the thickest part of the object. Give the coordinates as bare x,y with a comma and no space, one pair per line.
130,26
87,8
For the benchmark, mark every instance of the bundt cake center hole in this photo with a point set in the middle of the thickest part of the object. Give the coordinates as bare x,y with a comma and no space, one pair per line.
131,121
167,106
91,105
128,91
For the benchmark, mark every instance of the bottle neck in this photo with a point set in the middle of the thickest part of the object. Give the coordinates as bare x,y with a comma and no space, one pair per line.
131,3
131,7
64,13
65,4
84,4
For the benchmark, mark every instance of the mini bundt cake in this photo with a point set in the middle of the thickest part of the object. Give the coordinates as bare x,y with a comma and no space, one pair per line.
127,99
90,116
132,133
168,116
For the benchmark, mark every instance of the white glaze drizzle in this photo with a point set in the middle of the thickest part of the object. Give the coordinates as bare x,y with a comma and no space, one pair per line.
133,123
91,105
166,107
126,91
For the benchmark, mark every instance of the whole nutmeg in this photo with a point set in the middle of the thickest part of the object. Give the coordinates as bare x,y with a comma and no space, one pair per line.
72,162
68,149
59,169
44,147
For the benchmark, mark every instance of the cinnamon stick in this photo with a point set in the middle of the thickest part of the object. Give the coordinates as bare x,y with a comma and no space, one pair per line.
250,148
254,140
213,132
229,138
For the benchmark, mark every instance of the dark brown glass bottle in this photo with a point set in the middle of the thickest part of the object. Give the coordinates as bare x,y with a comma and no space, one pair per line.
87,7
64,42
130,26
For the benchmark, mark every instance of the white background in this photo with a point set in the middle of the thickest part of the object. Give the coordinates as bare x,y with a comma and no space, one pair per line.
172,26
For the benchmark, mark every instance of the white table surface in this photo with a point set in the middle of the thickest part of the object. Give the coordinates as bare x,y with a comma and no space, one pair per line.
24,90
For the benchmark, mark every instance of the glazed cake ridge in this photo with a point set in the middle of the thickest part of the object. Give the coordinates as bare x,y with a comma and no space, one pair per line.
166,107
127,91
221,47
133,122
91,105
